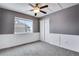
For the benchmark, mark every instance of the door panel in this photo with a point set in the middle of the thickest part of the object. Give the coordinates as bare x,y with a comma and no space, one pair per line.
42,30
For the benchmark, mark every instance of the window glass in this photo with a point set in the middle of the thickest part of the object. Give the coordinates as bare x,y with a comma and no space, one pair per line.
23,25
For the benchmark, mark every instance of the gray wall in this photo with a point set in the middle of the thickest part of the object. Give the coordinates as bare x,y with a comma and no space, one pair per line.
7,21
0,19
65,21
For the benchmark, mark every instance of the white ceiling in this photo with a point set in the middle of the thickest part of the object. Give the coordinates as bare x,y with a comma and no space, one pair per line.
24,7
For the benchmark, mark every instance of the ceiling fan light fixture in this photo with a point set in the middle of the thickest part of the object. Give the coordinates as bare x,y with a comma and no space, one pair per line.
36,10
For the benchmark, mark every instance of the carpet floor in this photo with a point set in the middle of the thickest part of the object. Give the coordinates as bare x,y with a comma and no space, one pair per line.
37,49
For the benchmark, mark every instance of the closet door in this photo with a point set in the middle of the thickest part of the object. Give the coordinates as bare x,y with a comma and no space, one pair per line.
51,38
42,30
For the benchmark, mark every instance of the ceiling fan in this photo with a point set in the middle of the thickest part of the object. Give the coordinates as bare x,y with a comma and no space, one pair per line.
37,8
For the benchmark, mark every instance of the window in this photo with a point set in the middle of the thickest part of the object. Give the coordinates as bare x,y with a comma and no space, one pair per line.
23,25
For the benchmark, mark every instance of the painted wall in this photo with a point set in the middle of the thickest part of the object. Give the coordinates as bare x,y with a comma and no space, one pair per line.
65,21
8,39
66,40
11,40
7,21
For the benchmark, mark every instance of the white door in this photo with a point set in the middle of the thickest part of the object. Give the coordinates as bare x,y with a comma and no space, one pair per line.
42,30
50,37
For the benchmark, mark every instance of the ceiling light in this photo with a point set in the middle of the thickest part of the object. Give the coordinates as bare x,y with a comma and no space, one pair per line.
36,10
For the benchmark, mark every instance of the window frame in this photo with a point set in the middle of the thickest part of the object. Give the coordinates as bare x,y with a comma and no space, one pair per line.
15,25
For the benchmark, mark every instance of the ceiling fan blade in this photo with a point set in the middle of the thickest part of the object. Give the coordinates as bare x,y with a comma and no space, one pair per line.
43,12
31,10
35,14
44,7
31,5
